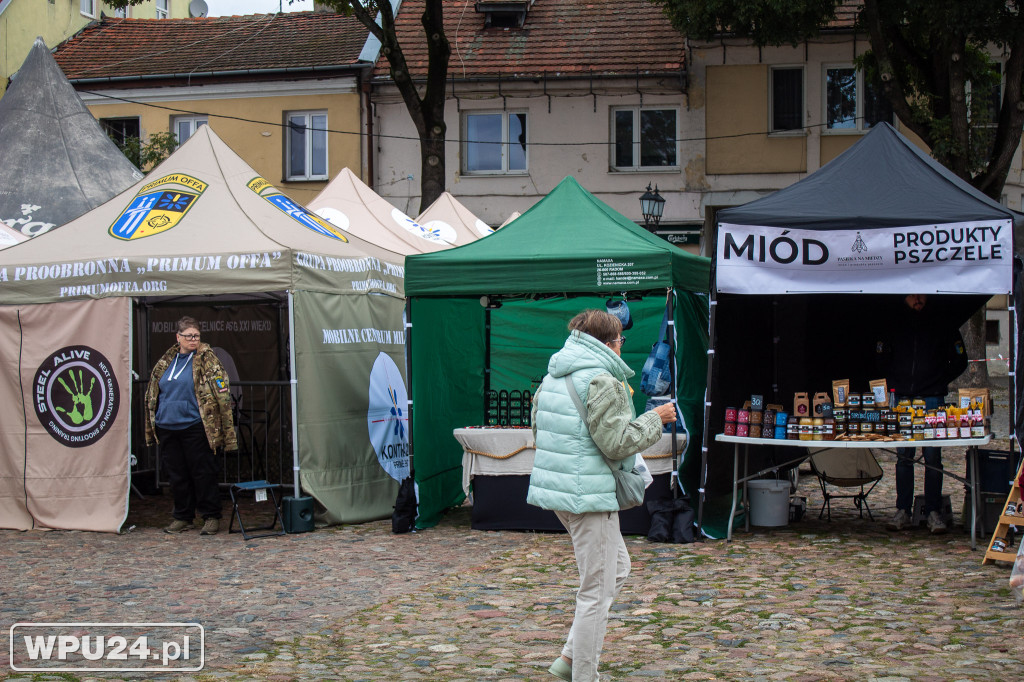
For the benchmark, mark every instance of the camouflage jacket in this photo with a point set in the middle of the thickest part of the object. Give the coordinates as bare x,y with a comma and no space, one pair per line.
212,393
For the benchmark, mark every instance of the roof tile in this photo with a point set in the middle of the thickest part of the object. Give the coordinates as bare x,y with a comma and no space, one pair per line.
147,47
602,37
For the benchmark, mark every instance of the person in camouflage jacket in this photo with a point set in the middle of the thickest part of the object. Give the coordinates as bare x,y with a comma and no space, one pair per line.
190,418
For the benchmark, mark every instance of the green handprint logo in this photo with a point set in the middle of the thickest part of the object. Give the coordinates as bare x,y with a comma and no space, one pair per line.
78,398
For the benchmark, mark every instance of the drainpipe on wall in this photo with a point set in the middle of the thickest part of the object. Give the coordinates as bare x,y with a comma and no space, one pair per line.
366,87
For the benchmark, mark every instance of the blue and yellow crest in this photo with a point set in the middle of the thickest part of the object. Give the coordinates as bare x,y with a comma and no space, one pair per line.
299,214
159,206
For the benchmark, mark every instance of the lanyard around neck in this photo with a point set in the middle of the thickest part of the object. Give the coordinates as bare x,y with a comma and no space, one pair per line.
171,372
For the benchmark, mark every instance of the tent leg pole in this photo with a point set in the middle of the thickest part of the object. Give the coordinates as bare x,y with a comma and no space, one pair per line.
705,438
670,311
408,378
294,393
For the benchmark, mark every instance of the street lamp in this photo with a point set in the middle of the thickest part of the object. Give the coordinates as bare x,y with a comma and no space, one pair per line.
652,205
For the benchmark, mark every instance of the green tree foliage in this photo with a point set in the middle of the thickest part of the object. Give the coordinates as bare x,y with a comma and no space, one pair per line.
932,57
147,155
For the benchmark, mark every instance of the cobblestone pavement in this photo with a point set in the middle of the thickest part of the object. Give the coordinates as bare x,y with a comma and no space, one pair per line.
845,600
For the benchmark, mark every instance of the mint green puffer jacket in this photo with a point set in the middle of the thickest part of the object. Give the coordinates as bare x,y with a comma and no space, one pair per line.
569,473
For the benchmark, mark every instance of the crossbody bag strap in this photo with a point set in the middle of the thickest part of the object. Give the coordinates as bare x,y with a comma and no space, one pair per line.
582,409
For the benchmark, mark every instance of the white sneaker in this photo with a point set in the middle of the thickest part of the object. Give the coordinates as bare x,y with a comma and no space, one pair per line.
900,521
935,523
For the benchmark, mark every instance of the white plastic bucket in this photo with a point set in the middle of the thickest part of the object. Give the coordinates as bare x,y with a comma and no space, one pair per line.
769,502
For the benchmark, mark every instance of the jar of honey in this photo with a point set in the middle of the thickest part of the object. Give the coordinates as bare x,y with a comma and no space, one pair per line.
828,430
917,427
806,428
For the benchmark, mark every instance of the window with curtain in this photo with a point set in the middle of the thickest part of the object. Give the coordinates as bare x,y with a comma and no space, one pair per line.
306,145
185,126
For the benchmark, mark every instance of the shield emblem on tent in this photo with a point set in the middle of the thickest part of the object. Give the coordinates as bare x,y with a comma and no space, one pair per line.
155,209
299,214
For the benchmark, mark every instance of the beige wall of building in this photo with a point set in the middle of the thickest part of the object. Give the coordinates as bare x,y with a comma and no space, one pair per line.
736,104
22,21
569,134
730,96
250,122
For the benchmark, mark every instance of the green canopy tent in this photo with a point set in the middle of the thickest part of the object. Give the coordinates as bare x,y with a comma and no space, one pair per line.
487,316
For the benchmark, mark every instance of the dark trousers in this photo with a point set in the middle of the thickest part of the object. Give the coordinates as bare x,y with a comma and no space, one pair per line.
932,477
191,468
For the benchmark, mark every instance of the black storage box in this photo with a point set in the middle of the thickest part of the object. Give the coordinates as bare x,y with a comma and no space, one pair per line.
499,503
990,507
996,470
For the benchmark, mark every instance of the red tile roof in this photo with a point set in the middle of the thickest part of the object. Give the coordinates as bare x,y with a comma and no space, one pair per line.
147,47
559,37
846,15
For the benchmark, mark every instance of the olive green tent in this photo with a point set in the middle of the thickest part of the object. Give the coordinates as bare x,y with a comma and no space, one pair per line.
487,316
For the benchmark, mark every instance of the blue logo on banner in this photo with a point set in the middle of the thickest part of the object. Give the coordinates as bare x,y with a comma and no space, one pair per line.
304,217
297,213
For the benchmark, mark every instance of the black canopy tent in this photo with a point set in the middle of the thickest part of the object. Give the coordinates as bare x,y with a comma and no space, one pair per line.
58,163
805,276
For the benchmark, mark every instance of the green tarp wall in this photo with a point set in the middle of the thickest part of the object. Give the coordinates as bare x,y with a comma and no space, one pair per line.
569,252
337,341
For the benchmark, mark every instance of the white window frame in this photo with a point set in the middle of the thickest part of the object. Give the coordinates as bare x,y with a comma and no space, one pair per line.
799,130
194,123
860,124
163,9
307,175
504,142
87,8
123,13
637,167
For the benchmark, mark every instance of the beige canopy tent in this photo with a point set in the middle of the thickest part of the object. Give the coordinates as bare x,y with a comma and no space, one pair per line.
513,216
202,224
349,204
455,223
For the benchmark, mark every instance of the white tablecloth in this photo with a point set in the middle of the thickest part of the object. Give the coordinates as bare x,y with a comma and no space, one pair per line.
486,452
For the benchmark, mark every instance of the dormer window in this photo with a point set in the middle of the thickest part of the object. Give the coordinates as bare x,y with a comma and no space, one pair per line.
503,13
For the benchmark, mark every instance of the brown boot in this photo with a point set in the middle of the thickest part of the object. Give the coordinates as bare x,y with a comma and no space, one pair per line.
178,526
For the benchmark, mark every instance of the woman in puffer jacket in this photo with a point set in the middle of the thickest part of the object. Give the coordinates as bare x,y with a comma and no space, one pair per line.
571,477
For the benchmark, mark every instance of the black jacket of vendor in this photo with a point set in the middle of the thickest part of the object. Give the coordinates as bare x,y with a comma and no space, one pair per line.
919,352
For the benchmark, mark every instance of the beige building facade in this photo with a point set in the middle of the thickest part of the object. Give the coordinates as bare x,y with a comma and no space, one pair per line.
284,90
747,122
22,21
773,115
251,118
